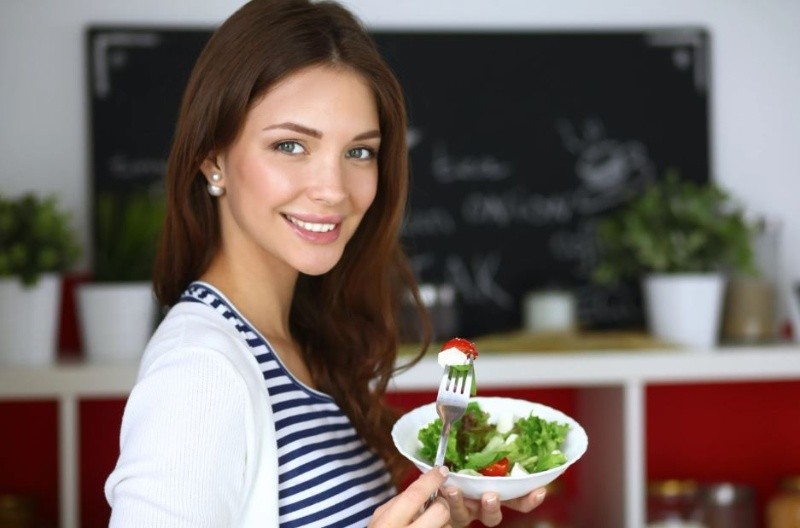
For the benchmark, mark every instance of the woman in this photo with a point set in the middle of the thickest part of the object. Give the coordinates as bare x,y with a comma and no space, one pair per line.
260,396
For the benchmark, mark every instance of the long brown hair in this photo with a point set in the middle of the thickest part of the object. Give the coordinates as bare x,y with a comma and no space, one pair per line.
345,320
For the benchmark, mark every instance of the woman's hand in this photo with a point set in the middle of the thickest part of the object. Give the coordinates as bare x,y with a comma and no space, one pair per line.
487,510
405,509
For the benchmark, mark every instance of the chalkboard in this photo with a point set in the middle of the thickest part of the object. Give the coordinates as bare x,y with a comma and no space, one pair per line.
519,143
136,79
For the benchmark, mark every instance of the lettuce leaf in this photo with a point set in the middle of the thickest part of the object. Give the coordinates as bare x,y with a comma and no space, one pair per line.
538,443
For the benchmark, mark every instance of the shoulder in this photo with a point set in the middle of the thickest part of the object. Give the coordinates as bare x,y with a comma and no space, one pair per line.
197,362
194,327
194,340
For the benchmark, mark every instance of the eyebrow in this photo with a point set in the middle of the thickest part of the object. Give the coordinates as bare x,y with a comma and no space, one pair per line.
317,134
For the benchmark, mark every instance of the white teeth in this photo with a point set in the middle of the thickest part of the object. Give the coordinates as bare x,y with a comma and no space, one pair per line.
309,226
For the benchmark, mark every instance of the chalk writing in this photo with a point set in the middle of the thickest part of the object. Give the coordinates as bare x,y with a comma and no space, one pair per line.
102,44
516,206
474,276
413,137
430,221
121,167
610,171
479,167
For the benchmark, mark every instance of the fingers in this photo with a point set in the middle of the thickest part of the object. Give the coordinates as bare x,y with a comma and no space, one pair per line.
460,514
490,510
527,502
463,511
437,514
418,492
401,510
487,510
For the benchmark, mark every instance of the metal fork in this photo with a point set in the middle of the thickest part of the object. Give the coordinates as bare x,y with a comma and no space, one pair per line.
451,402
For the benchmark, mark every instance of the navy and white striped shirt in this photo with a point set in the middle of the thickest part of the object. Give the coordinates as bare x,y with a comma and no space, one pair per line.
328,477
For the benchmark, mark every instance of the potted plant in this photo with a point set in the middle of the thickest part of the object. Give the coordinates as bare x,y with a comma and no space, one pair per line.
117,308
37,243
681,239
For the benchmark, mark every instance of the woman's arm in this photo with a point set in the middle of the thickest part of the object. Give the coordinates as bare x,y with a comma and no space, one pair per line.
183,445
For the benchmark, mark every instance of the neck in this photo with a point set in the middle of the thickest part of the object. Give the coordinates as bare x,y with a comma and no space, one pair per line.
263,294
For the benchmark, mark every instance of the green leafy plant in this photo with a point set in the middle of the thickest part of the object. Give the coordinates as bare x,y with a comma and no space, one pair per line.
675,226
127,227
35,237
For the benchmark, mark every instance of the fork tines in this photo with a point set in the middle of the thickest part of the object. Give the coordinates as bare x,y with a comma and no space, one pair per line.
457,380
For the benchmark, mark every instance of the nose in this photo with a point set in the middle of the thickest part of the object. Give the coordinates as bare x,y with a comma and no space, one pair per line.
328,182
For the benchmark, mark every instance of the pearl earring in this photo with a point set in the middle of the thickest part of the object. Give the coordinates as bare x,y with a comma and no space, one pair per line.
214,189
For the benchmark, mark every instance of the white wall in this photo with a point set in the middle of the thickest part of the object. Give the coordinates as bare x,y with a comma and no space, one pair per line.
755,82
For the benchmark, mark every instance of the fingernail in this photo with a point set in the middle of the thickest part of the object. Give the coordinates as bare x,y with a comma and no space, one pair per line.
491,501
451,492
539,496
444,471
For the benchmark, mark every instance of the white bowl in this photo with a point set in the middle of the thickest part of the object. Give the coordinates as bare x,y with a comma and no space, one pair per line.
406,429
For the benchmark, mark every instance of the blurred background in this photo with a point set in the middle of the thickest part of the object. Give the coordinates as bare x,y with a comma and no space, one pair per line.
741,133
752,111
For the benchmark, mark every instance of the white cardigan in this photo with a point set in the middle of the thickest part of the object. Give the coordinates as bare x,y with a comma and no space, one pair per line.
197,445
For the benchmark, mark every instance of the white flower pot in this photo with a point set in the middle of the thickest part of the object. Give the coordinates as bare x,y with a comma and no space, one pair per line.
116,320
684,309
29,321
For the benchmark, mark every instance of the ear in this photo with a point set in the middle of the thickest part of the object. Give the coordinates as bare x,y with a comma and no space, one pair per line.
210,165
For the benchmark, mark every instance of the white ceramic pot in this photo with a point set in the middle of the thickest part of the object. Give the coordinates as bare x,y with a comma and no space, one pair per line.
684,308
549,311
29,320
116,320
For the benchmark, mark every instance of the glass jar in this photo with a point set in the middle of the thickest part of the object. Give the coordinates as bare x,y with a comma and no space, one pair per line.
751,300
783,510
726,505
749,313
442,303
671,503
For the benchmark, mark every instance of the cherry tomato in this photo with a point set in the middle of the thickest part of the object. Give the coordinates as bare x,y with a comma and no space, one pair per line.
498,469
467,347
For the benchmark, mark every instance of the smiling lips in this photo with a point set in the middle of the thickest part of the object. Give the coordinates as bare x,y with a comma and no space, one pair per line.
321,231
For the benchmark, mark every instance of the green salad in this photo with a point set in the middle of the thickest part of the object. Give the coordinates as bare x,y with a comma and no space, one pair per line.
476,447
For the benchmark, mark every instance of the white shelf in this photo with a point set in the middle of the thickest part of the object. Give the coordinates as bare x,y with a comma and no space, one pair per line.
495,370
597,368
610,405
79,380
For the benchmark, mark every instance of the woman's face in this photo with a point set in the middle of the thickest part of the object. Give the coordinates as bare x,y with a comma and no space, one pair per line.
302,173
